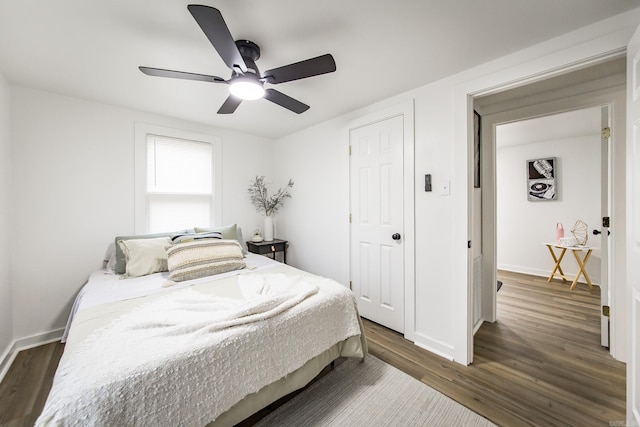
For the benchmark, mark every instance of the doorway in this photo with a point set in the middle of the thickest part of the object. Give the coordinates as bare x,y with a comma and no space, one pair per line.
592,87
531,212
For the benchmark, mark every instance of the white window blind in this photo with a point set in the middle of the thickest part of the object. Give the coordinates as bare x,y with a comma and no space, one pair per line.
179,180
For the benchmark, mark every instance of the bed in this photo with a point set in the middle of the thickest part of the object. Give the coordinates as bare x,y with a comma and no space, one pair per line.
206,351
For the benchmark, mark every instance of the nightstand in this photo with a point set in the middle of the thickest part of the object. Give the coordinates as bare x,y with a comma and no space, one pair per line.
263,248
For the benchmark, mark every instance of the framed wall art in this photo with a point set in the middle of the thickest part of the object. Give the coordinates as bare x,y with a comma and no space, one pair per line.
541,179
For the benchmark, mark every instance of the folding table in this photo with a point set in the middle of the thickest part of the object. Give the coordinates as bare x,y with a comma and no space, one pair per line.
582,262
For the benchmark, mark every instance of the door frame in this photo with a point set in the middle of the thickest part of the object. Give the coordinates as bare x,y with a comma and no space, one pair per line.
616,104
406,110
633,221
590,45
543,67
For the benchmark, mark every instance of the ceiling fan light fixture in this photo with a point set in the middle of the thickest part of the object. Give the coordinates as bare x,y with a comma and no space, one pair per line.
246,88
240,56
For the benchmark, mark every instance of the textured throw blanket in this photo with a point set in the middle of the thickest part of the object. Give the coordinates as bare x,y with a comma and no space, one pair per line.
185,358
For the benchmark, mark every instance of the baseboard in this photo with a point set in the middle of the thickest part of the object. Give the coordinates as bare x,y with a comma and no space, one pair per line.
541,273
17,346
524,270
477,325
7,359
436,347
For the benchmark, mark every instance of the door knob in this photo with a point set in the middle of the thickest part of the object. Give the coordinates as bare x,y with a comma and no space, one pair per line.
596,232
396,236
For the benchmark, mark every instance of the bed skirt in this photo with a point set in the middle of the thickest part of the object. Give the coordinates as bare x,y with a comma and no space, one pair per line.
354,347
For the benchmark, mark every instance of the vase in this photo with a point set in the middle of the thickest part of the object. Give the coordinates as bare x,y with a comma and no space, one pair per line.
559,232
267,234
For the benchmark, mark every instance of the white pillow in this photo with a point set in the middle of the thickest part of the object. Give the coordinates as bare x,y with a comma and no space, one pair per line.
111,263
109,260
145,256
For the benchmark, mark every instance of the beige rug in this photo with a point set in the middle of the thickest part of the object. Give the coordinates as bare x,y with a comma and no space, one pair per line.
371,393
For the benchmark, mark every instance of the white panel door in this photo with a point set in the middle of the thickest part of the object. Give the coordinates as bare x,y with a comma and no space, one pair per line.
377,253
633,220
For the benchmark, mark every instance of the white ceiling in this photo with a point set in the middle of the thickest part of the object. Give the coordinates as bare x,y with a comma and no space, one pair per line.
91,49
555,127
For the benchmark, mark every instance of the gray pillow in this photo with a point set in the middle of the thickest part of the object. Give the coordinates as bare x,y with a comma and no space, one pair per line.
121,262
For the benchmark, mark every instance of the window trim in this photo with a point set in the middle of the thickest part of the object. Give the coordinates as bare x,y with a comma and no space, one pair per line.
140,170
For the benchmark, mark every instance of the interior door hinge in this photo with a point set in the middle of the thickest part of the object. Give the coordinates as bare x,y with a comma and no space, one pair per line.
349,150
606,133
606,311
349,218
350,285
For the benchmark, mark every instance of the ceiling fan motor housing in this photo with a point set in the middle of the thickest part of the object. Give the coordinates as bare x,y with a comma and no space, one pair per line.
250,52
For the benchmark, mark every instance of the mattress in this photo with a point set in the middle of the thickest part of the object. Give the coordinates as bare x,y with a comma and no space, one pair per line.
274,359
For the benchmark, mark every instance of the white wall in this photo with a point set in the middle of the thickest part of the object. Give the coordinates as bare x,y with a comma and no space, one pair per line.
315,219
73,192
523,226
316,222
6,321
72,165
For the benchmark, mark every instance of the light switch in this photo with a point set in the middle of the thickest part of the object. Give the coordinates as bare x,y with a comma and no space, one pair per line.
445,188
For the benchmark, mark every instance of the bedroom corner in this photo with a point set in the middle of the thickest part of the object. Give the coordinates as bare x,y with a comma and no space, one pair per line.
6,313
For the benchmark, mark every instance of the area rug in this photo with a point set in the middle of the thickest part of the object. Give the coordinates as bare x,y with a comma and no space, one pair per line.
371,393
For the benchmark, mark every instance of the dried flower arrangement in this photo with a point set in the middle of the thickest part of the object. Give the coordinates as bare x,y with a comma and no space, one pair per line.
260,197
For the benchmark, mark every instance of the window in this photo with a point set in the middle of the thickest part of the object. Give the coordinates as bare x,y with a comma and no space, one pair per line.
176,176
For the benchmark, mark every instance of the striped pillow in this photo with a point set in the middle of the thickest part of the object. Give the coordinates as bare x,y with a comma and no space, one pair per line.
200,258
190,237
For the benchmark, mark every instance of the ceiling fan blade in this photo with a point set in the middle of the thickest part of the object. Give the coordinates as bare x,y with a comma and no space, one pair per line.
212,24
285,101
230,105
159,72
301,70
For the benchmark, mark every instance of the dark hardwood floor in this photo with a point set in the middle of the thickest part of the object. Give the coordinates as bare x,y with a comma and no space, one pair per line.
540,364
25,388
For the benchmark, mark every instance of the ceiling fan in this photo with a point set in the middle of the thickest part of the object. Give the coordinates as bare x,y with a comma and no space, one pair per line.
246,82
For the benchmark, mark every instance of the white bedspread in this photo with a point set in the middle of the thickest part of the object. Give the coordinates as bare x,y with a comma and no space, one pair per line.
186,357
104,287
